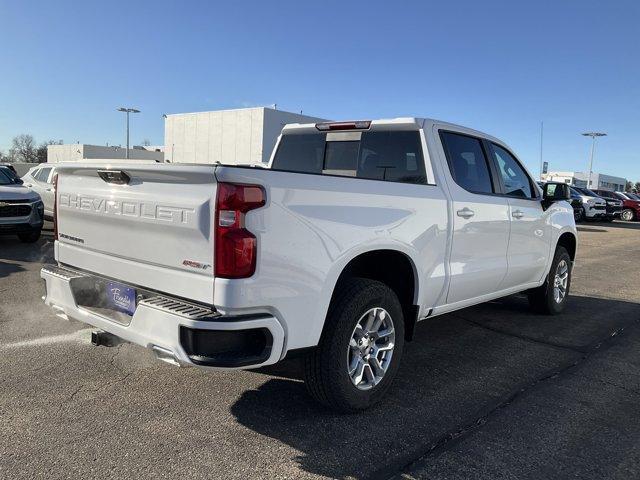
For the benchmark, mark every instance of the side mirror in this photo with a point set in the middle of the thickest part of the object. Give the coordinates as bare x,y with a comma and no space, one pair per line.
19,181
555,192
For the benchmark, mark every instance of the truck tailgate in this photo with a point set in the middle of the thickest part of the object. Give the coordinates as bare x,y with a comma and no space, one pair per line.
155,231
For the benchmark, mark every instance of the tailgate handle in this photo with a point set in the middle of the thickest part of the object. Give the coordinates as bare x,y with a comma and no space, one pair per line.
117,177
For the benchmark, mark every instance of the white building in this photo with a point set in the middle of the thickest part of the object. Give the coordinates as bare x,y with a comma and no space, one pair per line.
240,136
76,152
599,181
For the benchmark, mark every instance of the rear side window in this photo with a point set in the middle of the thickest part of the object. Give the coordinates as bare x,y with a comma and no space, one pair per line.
467,162
42,175
300,153
515,179
394,156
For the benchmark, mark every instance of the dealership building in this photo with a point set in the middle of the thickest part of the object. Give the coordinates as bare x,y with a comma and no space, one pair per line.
239,136
599,181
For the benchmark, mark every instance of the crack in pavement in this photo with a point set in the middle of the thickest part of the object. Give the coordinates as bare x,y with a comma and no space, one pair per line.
449,439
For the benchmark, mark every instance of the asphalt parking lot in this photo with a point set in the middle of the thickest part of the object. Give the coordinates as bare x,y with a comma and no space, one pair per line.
489,392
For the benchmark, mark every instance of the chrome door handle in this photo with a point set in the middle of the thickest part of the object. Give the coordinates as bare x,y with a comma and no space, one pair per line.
466,212
517,214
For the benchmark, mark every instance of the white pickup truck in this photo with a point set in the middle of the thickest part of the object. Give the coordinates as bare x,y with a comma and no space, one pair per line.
355,232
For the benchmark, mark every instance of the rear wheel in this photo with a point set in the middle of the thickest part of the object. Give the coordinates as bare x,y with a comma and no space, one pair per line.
551,297
627,215
29,237
360,349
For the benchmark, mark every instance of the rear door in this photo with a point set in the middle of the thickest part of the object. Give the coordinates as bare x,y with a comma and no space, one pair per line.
478,260
529,240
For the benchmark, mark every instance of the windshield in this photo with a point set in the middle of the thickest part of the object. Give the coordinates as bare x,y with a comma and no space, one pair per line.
632,196
586,191
5,179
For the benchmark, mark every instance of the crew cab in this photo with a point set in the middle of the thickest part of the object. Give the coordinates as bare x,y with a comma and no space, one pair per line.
354,233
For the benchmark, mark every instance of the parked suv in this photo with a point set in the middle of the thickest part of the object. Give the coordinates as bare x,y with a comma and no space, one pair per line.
21,210
593,206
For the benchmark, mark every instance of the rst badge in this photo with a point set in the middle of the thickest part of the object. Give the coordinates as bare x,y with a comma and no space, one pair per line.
198,265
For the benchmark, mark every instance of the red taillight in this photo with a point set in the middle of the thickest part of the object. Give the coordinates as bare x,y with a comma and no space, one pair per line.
235,249
55,207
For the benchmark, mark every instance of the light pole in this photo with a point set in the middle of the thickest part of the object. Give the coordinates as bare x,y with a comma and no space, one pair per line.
128,111
593,136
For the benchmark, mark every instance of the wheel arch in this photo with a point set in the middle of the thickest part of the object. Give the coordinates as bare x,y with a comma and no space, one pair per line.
394,268
569,241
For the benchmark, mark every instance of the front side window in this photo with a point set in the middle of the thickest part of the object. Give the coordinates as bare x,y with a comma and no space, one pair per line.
515,179
467,162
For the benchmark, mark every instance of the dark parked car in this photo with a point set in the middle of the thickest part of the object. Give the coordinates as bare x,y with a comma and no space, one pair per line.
614,204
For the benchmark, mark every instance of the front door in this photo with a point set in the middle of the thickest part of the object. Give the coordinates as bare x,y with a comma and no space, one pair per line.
529,243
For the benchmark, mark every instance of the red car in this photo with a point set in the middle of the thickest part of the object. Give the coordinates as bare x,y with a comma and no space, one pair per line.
630,205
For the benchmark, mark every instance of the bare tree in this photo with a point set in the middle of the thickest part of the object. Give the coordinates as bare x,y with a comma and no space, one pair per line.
146,142
628,187
23,149
637,187
41,152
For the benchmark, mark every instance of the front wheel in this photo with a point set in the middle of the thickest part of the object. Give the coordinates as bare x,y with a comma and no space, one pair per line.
578,215
627,215
360,349
551,297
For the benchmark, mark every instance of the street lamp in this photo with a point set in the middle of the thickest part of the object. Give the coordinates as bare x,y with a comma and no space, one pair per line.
593,136
128,111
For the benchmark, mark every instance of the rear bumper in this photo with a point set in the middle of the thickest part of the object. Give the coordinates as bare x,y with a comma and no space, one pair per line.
178,332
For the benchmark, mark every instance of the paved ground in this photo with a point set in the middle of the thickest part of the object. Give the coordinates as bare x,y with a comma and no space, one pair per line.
489,392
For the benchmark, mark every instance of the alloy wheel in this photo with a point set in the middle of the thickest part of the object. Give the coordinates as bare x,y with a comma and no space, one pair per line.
560,281
371,348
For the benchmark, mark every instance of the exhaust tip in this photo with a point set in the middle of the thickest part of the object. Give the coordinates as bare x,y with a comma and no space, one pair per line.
165,355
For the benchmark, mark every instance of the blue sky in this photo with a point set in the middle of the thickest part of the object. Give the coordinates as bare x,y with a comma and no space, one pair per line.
498,66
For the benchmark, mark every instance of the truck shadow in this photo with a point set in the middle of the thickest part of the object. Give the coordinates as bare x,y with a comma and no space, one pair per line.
459,368
41,251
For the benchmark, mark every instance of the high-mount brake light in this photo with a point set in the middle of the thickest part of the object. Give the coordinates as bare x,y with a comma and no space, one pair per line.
235,247
357,125
55,207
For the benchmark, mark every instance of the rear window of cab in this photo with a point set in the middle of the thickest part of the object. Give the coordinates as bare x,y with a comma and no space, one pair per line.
394,156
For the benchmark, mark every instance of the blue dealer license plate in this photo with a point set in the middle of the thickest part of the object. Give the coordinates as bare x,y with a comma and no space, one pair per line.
121,297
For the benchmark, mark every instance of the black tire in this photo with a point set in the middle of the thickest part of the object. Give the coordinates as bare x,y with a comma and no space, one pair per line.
542,299
584,215
627,215
326,368
578,216
30,237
